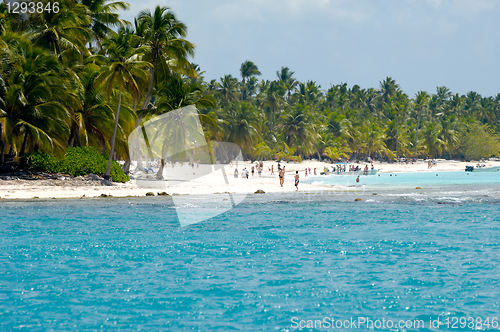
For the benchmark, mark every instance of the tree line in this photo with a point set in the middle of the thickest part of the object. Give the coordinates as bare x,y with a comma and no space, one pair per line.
85,77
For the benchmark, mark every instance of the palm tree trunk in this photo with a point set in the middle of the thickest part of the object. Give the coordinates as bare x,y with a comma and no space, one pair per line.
107,174
397,134
3,145
159,175
416,137
2,153
315,148
150,88
25,143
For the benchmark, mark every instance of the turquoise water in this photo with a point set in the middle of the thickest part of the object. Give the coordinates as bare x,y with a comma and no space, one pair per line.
273,260
402,180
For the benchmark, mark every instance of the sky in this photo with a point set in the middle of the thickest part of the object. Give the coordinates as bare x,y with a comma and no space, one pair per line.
421,44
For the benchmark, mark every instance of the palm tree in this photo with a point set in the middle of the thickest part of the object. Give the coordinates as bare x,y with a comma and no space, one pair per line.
373,137
272,96
167,50
93,117
420,104
285,75
122,66
64,32
243,125
400,107
388,88
32,114
297,128
248,69
432,139
103,17
228,87
177,92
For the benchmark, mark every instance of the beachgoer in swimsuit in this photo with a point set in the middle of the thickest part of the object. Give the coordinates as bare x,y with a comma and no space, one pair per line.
297,179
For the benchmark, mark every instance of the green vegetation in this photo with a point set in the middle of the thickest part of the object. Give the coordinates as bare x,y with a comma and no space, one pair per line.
478,140
76,162
83,77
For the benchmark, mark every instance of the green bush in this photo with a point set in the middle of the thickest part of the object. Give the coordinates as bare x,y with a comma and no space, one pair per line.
76,162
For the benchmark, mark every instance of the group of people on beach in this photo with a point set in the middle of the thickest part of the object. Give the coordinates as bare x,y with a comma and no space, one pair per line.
259,166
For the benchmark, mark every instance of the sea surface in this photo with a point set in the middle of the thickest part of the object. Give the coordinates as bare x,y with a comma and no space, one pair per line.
275,262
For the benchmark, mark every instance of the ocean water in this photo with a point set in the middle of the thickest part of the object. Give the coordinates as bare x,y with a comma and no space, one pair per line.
297,261
394,181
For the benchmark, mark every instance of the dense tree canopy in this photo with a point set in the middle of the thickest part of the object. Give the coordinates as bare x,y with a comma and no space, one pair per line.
85,77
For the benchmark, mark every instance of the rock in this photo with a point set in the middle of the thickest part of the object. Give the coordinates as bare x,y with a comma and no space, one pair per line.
418,188
259,191
35,197
374,193
163,193
105,195
150,194
358,200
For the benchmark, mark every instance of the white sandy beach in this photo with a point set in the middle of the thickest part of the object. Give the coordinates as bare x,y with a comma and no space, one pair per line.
209,184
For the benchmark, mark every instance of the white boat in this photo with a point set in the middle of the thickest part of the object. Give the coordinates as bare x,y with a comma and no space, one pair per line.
482,169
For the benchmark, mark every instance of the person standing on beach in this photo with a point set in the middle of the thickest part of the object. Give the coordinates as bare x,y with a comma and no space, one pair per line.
272,169
282,176
297,180
253,170
306,172
315,171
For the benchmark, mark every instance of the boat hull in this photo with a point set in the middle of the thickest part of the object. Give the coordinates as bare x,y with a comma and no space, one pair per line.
484,169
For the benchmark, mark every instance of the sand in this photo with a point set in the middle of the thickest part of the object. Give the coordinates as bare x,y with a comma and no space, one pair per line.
65,187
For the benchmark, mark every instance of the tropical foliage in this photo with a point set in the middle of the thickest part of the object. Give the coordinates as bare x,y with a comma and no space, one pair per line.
83,77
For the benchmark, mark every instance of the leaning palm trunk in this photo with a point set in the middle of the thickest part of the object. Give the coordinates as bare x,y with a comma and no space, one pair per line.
315,148
150,89
107,174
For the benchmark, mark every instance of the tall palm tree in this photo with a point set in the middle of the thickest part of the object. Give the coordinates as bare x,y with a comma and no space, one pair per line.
420,104
122,66
400,107
248,69
271,95
167,50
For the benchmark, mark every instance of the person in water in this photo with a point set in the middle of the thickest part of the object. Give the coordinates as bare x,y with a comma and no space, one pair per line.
297,180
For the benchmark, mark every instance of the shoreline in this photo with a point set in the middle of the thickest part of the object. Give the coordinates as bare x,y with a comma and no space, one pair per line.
93,186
